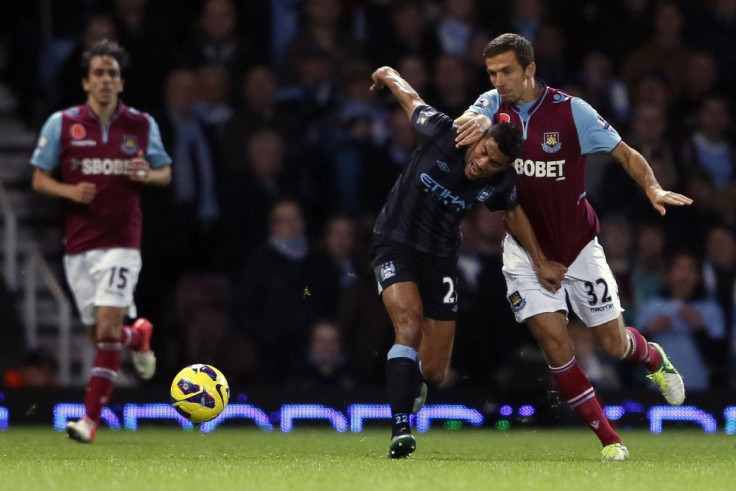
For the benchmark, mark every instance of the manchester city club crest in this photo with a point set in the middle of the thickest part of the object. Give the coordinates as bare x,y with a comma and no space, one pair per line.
129,145
484,194
551,142
387,270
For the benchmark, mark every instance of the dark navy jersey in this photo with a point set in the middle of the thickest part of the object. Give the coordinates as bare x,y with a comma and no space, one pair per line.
432,194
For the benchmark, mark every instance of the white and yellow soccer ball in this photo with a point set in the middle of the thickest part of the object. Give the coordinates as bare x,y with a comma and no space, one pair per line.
200,392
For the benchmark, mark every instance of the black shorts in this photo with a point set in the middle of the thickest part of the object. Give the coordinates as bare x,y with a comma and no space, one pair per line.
436,277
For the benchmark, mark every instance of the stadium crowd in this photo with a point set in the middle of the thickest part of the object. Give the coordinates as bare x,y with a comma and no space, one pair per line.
255,258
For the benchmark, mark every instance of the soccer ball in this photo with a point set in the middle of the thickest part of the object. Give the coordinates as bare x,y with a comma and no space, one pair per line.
199,392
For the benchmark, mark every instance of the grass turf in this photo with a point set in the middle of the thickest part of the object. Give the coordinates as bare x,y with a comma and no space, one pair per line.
321,459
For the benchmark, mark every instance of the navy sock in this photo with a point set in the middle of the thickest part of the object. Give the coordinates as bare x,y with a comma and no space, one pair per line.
403,382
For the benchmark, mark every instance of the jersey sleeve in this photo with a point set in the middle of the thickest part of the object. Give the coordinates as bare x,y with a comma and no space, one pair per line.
487,104
428,122
507,197
156,154
594,132
48,147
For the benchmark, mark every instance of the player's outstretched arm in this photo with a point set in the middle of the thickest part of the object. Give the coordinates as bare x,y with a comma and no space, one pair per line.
639,169
471,128
44,183
549,273
400,88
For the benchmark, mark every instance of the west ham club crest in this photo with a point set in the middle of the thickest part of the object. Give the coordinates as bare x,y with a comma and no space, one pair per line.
551,142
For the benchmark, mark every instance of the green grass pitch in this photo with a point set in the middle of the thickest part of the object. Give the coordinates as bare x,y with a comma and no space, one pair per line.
321,459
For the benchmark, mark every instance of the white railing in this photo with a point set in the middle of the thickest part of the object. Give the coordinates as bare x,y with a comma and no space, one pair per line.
37,268
10,242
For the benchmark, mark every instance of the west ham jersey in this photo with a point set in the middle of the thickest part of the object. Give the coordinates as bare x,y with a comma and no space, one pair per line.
432,193
85,150
559,130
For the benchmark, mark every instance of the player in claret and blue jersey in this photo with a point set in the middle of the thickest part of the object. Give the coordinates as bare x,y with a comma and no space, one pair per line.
416,239
559,130
97,156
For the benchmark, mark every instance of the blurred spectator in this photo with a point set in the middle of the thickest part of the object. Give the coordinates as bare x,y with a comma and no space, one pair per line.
409,31
702,80
649,263
66,89
324,27
259,110
148,31
603,89
282,290
193,194
35,370
262,176
217,42
619,193
552,56
617,241
526,18
715,32
664,50
324,365
455,26
312,94
651,87
719,279
450,90
338,243
487,338
709,146
684,322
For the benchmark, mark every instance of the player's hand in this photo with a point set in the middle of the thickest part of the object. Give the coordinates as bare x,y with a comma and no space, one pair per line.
378,77
660,323
691,317
83,192
661,197
139,169
550,274
472,130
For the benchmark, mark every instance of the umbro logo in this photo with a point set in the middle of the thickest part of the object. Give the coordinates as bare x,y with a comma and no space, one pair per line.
443,166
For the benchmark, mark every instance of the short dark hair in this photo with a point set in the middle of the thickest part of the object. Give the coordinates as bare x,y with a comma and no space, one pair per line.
508,138
105,48
520,45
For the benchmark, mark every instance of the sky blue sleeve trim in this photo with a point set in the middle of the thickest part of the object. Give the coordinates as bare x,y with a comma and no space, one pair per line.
156,155
594,132
401,351
48,146
486,104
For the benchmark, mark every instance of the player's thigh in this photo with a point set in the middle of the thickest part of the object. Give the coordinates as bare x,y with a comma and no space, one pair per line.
526,296
592,288
103,277
82,285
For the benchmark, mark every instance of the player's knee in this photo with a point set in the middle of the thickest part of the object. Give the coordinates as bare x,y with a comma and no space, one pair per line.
434,374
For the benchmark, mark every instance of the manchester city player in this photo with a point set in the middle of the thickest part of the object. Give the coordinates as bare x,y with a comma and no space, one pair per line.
559,130
416,239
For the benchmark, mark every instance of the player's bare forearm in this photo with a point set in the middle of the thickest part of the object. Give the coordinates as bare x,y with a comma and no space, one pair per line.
400,88
638,168
141,171
549,273
160,176
44,183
